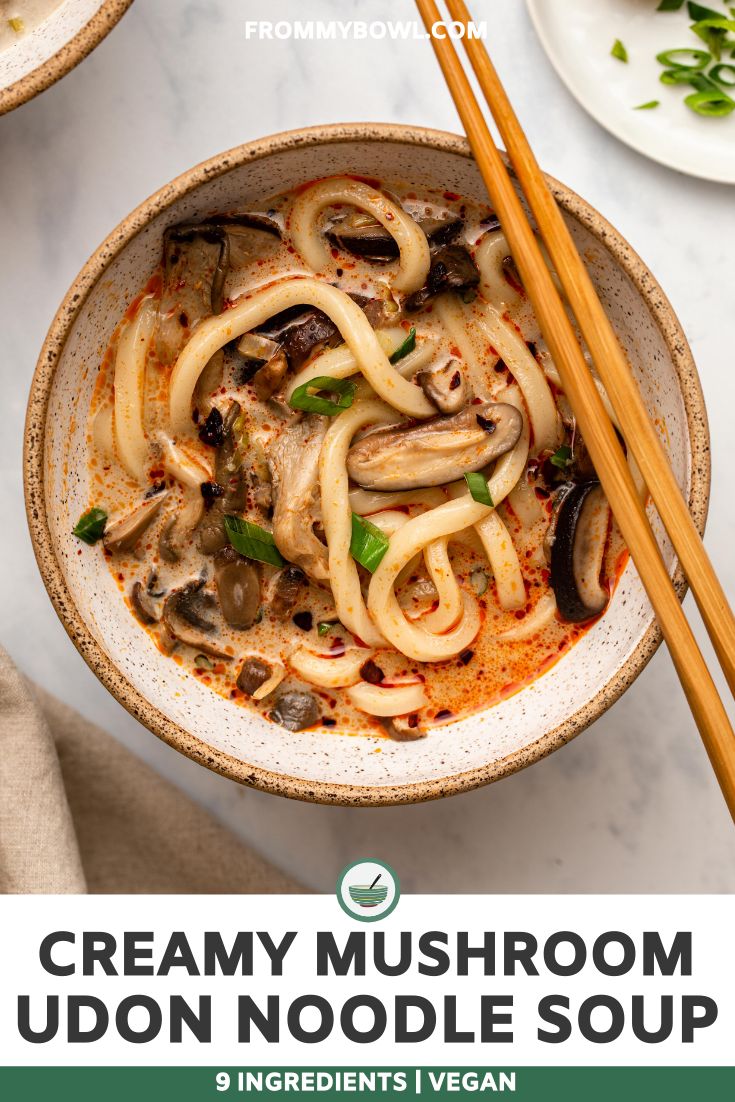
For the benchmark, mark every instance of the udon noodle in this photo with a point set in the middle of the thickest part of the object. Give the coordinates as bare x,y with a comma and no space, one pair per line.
333,468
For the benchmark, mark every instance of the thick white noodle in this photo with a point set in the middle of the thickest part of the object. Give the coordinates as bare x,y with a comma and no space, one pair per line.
132,351
337,516
489,257
215,332
367,502
378,700
339,363
327,672
189,472
525,504
413,266
272,683
451,605
537,620
446,520
513,350
504,562
454,319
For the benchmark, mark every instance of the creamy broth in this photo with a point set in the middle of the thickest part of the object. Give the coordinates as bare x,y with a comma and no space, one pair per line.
377,589
19,17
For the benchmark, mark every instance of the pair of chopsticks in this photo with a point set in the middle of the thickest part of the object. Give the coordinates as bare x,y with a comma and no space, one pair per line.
599,435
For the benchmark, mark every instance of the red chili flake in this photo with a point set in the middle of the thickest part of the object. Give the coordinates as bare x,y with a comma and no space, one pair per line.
520,614
156,473
327,721
501,366
451,196
466,656
443,714
183,320
455,380
335,253
339,272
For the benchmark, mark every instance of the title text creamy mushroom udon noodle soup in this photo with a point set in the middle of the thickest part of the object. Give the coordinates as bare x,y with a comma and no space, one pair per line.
333,469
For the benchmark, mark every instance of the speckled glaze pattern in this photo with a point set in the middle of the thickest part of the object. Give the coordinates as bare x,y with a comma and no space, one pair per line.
174,705
51,50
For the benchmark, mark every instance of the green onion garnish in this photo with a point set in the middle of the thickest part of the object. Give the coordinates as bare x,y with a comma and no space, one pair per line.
648,106
252,541
715,73
713,32
478,487
405,347
91,526
619,51
700,59
306,396
714,104
325,626
368,543
562,457
670,5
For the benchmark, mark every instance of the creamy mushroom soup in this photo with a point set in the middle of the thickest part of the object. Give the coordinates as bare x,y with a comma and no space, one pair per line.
19,17
333,469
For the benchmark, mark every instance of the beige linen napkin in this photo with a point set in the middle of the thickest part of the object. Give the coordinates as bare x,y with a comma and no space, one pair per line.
79,813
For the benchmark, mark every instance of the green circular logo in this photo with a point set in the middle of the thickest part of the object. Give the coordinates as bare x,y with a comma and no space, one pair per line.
368,889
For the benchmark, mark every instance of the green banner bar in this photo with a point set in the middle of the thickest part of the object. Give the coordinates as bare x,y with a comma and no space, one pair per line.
133,1084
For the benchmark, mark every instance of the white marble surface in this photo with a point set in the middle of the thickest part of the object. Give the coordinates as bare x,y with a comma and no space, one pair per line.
629,806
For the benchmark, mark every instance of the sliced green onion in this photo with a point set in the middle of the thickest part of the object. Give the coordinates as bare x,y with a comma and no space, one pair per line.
325,626
252,541
670,5
713,33
203,663
716,70
700,59
405,347
619,51
648,106
478,487
91,526
562,457
306,396
368,543
713,104
679,75
698,11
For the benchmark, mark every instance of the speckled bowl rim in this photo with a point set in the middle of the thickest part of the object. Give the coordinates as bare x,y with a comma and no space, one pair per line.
104,667
67,58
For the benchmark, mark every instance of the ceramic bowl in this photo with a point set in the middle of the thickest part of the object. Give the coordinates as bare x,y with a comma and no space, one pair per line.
365,896
175,705
54,47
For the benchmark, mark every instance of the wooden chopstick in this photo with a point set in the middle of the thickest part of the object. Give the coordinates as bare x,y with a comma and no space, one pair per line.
639,433
597,430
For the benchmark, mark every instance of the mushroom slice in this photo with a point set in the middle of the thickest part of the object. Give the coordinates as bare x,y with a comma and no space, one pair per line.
404,728
143,604
452,269
185,616
230,475
254,673
445,385
294,466
436,451
362,235
238,588
295,710
124,534
284,589
268,378
167,547
577,553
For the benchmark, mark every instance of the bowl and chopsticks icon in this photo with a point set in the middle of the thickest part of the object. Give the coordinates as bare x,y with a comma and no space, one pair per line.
369,895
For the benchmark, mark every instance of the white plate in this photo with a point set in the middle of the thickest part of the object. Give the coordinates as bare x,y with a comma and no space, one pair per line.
578,35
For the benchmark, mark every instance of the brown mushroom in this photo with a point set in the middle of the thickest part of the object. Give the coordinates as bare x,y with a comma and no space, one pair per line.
143,604
294,466
362,235
284,590
230,476
445,385
295,710
577,553
186,615
436,451
124,534
238,588
253,673
452,269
